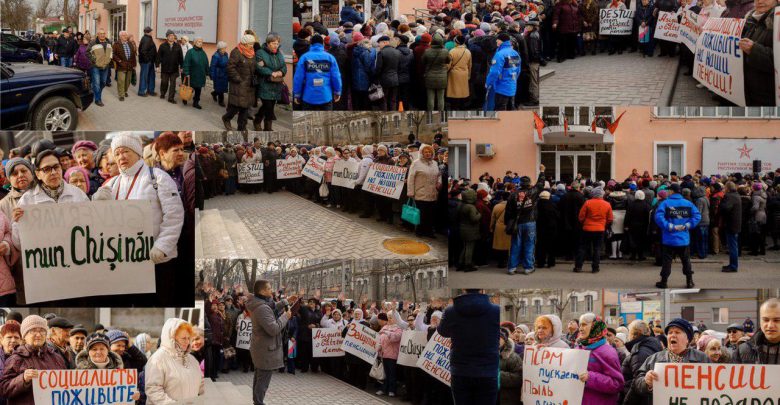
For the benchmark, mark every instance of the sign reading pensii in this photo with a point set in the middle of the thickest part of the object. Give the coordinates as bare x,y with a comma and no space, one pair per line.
385,180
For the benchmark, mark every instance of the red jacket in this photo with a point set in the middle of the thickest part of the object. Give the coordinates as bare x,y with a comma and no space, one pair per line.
12,385
568,17
595,214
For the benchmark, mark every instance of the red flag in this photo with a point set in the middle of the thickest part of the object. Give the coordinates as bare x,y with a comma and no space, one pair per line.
593,124
539,124
612,127
565,127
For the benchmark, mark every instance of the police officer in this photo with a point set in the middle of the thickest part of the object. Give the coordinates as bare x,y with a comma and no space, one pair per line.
503,74
676,216
317,80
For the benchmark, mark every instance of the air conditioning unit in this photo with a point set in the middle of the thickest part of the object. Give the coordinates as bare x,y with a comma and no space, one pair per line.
485,149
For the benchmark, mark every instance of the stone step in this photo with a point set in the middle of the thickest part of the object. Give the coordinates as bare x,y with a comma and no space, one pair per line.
230,394
215,239
245,390
245,244
211,395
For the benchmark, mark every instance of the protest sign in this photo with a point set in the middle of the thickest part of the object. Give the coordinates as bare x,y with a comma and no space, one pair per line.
326,342
361,341
435,358
244,332
314,169
776,51
552,375
698,383
718,59
385,180
412,344
345,173
667,27
288,168
250,173
613,21
689,29
58,387
85,249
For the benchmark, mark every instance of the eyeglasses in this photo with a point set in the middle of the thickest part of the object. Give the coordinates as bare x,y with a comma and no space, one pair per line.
49,169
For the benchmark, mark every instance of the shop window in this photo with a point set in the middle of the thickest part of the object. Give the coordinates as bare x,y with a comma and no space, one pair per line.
669,158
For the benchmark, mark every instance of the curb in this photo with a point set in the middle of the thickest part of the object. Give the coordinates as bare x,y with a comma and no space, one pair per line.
667,92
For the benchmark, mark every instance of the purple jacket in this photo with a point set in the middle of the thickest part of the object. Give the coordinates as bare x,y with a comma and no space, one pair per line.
81,59
605,378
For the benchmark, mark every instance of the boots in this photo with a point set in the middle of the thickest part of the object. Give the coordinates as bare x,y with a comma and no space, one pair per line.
267,125
689,282
614,250
661,284
258,125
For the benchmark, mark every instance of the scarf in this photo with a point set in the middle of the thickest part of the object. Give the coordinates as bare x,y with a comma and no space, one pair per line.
597,331
677,358
101,365
53,194
247,51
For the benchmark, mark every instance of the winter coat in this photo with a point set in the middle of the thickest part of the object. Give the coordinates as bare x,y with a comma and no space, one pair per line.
639,385
387,62
167,207
147,50
81,59
772,209
240,70
595,214
590,15
363,66
271,62
266,343
673,211
510,375
758,208
121,61
472,324
667,5
501,241
218,71
435,61
758,350
570,206
12,386
567,16
133,357
605,377
758,65
639,350
349,14
7,284
66,47
504,70
730,211
405,64
547,219
423,180
217,323
38,196
196,66
9,202
300,47
468,216
317,78
83,362
637,217
619,202
390,341
169,57
702,204
172,375
522,203
459,72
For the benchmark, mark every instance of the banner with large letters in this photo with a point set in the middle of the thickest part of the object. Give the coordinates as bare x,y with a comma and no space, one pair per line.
699,383
288,168
243,331
552,375
689,29
326,342
314,169
361,341
435,358
385,180
667,28
345,173
412,344
718,60
250,173
613,21
58,387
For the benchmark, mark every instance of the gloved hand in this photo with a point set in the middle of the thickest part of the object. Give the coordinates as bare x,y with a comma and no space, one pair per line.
103,193
158,256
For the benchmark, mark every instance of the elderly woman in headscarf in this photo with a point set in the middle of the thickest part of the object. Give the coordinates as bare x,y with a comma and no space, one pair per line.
241,93
137,181
19,172
84,153
79,177
271,69
172,373
144,343
604,378
423,185
218,73
548,331
712,347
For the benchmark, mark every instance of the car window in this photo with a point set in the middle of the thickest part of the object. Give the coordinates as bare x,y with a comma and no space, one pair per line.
7,48
11,38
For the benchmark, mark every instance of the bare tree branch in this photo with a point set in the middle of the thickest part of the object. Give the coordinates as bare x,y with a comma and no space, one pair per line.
16,14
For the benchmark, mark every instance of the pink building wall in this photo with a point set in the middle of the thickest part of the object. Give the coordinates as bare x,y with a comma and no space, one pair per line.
513,133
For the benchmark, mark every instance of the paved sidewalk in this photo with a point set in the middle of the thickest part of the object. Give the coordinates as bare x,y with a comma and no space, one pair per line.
153,113
687,94
288,226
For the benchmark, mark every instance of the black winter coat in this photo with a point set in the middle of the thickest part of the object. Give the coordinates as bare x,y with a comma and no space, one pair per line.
570,204
758,65
773,213
547,218
387,66
758,350
169,57
405,64
640,349
522,203
147,50
637,216
731,212
66,47
301,46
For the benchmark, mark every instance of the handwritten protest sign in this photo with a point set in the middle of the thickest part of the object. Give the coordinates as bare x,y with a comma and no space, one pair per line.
314,169
614,21
345,173
435,358
58,387
244,332
718,59
689,29
250,173
326,342
86,249
288,168
361,341
696,383
667,27
776,52
412,344
551,373
385,180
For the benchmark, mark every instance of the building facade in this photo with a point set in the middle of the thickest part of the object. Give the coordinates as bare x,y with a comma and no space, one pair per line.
328,11
524,306
349,128
659,140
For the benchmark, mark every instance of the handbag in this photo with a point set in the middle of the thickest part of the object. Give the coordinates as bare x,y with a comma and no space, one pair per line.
375,92
229,352
185,91
410,213
284,98
377,371
324,190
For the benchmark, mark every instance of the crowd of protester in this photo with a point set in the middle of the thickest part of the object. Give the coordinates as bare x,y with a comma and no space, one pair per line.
426,174
169,370
118,168
251,71
516,223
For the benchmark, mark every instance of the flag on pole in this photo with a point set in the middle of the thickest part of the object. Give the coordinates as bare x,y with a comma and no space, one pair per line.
612,126
539,124
565,127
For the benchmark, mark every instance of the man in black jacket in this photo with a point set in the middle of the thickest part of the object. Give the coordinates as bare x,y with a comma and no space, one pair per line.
147,54
170,60
764,346
731,219
66,48
387,72
640,346
521,215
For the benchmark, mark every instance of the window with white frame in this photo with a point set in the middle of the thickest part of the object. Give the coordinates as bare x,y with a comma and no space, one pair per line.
722,111
523,308
538,307
429,118
589,303
669,158
573,303
146,11
397,122
720,315
472,115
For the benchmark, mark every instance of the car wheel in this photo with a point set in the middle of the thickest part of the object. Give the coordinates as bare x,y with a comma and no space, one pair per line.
55,114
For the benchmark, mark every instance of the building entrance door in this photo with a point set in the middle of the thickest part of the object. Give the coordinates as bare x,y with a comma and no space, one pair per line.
569,164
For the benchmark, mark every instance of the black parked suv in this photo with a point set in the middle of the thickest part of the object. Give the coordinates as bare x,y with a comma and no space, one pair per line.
42,97
19,42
